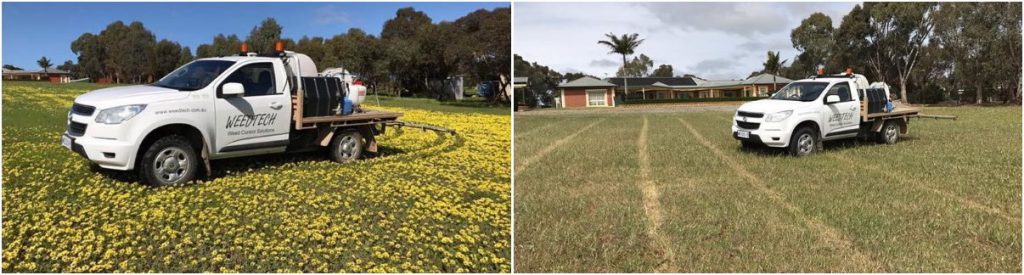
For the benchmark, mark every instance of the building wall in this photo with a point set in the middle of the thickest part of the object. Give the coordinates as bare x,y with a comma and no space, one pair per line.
577,97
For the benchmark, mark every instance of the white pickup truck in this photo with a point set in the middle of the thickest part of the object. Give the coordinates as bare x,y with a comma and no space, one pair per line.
826,107
222,107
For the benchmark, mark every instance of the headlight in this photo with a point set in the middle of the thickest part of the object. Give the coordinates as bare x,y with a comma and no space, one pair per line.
119,114
778,116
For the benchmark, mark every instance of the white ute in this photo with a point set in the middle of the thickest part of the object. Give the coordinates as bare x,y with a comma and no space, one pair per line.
826,107
222,107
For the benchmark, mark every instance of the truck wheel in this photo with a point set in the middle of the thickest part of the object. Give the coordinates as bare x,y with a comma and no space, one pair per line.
347,146
803,142
890,133
170,160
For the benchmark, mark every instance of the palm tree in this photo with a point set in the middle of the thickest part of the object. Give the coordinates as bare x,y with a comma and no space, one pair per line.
44,63
772,65
625,45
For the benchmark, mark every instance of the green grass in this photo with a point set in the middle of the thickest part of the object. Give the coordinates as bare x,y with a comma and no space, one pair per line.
945,199
429,202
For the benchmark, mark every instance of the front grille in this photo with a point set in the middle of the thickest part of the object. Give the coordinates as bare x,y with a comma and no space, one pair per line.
76,129
84,110
748,125
748,114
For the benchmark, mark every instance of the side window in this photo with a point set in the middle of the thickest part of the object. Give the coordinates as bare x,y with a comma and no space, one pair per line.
257,79
842,90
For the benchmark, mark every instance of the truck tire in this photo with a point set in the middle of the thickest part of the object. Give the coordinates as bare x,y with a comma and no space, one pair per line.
168,161
890,133
803,142
346,146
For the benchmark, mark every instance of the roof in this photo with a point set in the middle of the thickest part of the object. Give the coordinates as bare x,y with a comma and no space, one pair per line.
650,81
766,79
520,79
586,81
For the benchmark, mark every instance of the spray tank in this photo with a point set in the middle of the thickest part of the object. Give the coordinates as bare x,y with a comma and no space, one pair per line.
356,91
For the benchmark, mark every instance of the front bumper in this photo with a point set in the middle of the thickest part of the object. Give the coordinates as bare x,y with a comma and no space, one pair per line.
109,154
768,137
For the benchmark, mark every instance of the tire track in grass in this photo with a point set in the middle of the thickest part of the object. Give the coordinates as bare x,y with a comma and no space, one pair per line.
551,147
652,205
962,200
534,130
826,233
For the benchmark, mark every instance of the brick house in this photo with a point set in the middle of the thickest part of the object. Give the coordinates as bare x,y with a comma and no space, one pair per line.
586,92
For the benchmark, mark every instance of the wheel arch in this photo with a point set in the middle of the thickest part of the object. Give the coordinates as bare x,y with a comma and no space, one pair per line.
195,137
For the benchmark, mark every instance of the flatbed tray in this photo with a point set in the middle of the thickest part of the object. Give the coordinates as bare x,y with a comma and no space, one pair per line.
900,110
365,115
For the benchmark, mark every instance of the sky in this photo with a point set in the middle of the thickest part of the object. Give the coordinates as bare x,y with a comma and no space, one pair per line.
33,30
716,41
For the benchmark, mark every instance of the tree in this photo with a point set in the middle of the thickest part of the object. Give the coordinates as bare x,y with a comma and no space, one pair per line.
69,67
486,43
262,38
313,47
542,81
638,67
814,37
403,48
221,46
91,56
12,67
166,57
624,45
772,65
185,56
898,34
44,63
664,70
850,45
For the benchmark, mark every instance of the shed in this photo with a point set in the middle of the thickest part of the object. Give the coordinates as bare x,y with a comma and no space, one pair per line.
587,92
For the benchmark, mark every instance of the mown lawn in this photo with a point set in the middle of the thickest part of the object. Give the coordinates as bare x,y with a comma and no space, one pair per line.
429,203
674,192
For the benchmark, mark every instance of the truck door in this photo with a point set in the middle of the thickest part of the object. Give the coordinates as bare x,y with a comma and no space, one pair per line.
257,121
841,117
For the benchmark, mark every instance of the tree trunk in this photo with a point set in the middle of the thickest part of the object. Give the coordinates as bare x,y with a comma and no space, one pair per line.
978,99
903,91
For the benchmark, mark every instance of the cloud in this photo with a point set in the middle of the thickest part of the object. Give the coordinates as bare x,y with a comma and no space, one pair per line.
330,15
604,63
713,65
712,40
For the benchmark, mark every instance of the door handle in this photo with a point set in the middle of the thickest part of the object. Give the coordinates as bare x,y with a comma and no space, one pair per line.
275,105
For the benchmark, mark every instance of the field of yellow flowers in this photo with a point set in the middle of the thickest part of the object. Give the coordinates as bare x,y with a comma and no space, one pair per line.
429,203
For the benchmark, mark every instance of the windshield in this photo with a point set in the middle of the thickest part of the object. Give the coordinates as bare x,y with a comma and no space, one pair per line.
195,75
802,91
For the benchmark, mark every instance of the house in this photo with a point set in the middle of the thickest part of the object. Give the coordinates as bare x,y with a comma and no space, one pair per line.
587,92
649,88
52,75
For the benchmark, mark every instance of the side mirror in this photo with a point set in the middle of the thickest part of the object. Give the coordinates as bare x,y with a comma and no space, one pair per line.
831,99
232,89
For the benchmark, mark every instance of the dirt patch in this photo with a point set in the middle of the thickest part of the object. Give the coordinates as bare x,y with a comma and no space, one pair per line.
551,147
652,205
826,233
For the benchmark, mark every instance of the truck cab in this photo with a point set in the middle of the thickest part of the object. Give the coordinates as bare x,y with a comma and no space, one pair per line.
210,108
805,112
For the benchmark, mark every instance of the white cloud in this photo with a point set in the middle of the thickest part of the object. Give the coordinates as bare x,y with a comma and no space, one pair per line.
696,38
330,15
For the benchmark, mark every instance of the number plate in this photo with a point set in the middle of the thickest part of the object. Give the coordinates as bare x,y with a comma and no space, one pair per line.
66,141
743,134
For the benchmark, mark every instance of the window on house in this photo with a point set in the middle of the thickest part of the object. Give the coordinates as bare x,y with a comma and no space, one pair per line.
596,98
762,90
